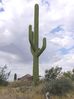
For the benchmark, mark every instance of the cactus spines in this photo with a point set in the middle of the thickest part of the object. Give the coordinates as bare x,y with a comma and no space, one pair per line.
34,43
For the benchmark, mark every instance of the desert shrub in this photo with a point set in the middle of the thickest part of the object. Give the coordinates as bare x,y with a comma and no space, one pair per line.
69,74
52,73
58,86
20,83
57,82
4,76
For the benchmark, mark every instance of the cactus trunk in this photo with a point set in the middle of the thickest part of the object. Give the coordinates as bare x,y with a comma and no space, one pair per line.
34,42
35,69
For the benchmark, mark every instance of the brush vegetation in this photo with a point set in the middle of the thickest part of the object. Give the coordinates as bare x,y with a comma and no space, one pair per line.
59,84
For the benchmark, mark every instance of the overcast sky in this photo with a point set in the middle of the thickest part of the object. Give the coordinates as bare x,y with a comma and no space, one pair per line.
56,22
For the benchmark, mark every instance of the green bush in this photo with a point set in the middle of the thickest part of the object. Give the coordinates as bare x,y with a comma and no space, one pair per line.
4,76
57,82
69,74
58,86
52,73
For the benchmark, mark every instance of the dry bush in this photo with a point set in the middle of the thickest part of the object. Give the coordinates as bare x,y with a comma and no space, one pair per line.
34,93
20,83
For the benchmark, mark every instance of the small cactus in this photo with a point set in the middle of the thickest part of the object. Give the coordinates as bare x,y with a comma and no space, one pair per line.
15,77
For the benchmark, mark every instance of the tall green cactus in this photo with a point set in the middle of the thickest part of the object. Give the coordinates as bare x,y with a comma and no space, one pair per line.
34,42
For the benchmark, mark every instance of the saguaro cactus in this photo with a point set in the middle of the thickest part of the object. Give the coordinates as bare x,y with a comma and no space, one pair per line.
34,43
15,76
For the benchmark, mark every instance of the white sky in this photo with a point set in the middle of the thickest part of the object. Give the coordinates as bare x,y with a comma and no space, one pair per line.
55,15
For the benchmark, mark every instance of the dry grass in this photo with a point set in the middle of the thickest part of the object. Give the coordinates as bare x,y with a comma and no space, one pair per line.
17,90
10,93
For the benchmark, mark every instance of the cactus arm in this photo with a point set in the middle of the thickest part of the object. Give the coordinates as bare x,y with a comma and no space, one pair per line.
43,47
31,37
